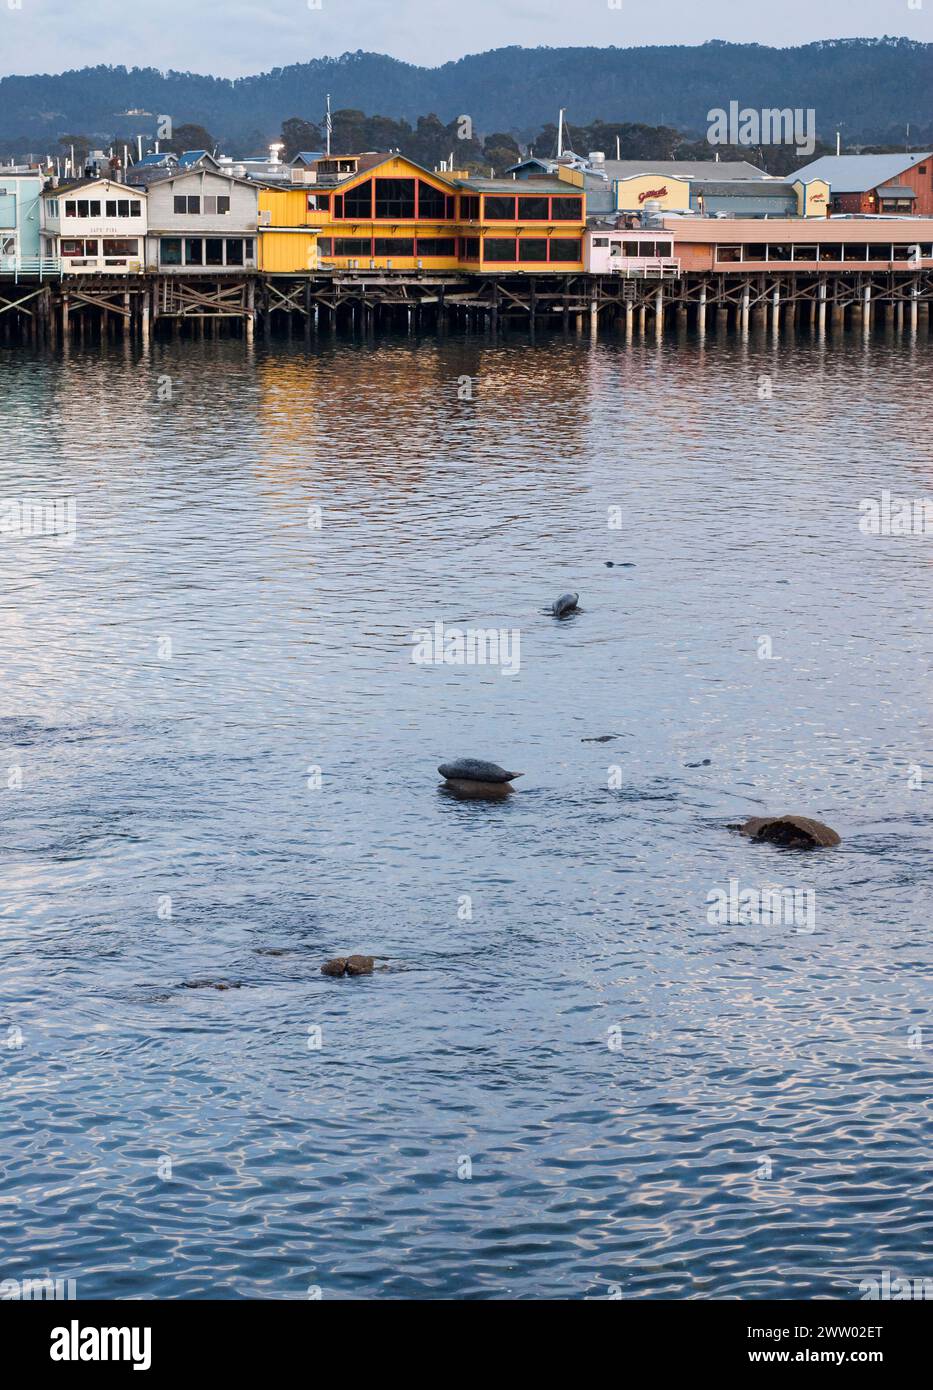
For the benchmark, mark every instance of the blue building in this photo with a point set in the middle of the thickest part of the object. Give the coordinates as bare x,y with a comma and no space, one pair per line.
20,211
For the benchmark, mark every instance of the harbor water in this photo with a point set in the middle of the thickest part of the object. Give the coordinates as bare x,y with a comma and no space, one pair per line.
218,763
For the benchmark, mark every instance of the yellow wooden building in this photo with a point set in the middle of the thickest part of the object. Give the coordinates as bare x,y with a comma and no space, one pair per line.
289,225
394,215
523,225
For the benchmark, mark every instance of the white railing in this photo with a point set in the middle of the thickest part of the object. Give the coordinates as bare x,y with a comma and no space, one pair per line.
644,267
31,267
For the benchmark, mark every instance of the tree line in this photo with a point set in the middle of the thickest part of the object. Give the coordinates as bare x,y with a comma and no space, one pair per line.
869,88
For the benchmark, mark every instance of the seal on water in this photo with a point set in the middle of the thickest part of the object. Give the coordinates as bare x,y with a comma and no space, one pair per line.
476,777
476,770
794,832
565,605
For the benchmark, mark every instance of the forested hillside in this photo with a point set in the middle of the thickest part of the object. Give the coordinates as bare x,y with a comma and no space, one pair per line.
871,87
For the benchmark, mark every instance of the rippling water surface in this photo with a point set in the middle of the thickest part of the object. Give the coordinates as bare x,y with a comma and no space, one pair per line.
647,1102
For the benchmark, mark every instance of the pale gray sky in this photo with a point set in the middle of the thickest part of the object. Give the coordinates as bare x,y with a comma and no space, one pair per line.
232,37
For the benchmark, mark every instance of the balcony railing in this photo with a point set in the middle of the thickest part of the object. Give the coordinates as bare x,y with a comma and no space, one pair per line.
31,267
645,267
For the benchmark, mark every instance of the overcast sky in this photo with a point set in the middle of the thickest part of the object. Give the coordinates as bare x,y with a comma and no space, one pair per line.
232,37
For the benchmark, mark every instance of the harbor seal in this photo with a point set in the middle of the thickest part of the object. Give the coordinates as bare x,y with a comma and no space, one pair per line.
476,770
566,604
474,777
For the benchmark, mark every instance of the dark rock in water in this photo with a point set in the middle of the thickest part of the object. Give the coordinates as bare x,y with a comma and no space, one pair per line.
704,763
622,564
600,738
795,832
564,605
360,965
476,770
466,787
348,965
610,564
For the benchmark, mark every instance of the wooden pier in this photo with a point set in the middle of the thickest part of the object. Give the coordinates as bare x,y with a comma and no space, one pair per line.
99,308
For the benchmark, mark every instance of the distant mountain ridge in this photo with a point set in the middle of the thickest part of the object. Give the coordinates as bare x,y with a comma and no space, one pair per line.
870,87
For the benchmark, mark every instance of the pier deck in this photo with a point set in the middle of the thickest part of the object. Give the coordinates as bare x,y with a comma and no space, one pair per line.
100,306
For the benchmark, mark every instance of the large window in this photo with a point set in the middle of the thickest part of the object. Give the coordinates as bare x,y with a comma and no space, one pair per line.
499,249
436,246
206,251
358,202
831,252
499,209
432,203
318,202
187,206
217,206
469,207
394,197
532,209
567,209
565,249
394,246
649,249
352,246
532,249
82,208
469,248
78,247
122,207
121,246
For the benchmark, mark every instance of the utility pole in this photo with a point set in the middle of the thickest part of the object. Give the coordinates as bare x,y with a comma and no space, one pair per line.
327,123
560,131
